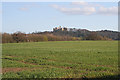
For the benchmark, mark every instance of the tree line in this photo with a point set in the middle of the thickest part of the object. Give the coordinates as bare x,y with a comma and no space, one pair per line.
18,37
22,37
85,33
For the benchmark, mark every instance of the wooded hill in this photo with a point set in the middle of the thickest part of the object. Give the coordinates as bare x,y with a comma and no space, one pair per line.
85,33
60,34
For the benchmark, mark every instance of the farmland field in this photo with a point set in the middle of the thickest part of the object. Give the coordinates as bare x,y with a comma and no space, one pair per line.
60,59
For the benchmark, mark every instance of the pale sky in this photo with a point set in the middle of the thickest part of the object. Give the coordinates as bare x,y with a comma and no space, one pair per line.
44,16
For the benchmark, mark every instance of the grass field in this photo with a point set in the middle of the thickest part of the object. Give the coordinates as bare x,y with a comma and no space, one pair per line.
60,59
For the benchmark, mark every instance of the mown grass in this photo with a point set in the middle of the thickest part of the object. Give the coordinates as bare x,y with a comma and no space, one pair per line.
60,59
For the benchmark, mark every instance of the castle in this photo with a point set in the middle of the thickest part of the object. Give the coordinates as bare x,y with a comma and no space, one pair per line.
68,29
60,29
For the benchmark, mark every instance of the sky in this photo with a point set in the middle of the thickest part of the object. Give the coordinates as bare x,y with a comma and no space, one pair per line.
44,16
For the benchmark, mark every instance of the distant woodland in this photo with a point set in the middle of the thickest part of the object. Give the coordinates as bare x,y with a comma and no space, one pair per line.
60,34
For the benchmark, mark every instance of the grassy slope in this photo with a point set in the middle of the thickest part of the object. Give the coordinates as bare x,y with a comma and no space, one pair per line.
63,59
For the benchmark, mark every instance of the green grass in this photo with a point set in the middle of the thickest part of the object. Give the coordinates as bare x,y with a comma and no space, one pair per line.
60,59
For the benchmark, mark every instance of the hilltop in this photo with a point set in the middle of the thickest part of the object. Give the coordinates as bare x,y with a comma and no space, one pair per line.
83,33
60,34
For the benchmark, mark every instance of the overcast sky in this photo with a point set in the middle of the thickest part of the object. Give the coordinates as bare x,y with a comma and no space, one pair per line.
44,16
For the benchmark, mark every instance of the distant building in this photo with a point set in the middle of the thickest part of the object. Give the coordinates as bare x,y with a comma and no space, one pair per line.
60,28
68,29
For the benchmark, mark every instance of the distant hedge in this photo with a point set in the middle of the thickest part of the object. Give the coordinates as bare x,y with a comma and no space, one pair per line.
22,37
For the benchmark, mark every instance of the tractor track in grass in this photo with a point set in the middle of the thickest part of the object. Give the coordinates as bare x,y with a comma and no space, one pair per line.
14,69
76,63
82,63
61,61
52,66
4,70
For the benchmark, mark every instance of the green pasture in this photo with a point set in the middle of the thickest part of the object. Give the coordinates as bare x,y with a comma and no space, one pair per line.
60,59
